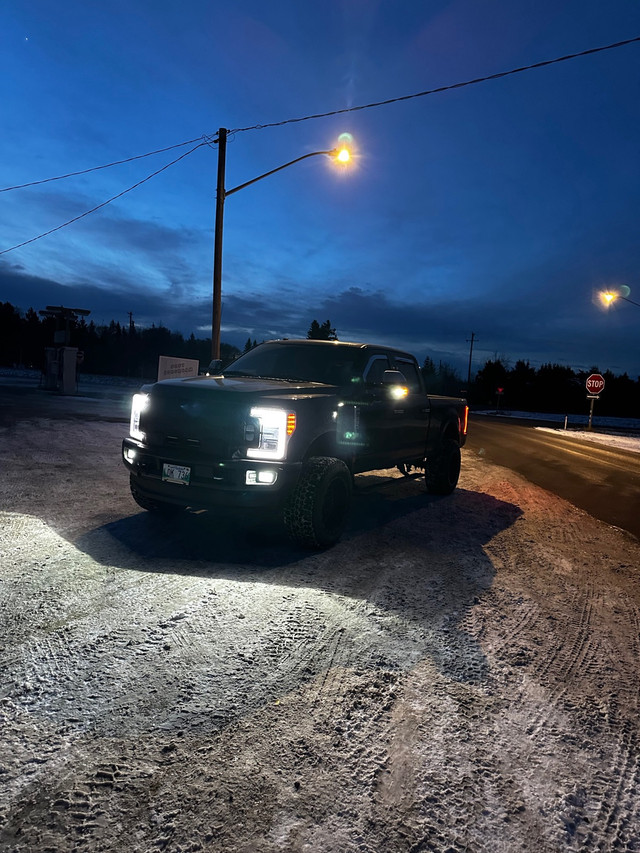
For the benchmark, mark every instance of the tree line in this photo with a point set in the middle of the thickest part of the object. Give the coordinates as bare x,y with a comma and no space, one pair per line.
112,350
553,388
124,350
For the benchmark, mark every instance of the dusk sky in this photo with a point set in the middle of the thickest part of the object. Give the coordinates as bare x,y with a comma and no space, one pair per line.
500,208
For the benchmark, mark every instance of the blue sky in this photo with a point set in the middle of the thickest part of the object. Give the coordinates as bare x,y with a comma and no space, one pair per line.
500,208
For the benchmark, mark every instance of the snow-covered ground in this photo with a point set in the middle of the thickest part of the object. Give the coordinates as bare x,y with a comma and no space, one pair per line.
457,674
611,439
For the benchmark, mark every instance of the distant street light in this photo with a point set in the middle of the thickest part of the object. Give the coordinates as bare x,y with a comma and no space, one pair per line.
341,154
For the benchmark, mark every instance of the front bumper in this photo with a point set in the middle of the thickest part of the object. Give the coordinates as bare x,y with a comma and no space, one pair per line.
212,483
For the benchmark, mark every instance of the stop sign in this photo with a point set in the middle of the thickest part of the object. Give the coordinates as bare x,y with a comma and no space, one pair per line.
595,383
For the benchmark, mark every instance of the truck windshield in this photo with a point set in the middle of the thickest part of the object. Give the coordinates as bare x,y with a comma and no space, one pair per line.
331,365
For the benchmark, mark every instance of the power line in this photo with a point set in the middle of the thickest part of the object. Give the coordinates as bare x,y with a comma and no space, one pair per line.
212,139
97,168
209,139
104,203
448,88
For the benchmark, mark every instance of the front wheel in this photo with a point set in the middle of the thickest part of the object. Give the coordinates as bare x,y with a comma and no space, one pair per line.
316,512
443,470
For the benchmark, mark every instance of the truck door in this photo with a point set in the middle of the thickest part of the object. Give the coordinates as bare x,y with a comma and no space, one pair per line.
365,421
412,413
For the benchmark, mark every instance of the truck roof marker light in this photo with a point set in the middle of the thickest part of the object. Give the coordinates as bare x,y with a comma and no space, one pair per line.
291,423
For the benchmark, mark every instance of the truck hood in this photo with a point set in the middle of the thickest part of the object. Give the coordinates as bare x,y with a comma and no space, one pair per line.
212,412
249,385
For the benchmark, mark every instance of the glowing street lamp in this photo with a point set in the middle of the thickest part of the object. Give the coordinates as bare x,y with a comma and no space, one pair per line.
608,297
341,155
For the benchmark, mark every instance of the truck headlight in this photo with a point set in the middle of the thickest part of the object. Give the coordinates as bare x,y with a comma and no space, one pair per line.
276,425
139,404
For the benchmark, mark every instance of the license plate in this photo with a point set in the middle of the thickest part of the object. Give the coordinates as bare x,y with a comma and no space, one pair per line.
176,474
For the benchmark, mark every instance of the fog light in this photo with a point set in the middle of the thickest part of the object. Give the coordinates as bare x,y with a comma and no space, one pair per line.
130,454
263,478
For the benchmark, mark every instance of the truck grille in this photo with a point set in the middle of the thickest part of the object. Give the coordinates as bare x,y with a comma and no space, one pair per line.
193,420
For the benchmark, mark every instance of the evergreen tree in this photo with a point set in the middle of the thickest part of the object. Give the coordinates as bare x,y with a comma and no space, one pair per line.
324,332
429,368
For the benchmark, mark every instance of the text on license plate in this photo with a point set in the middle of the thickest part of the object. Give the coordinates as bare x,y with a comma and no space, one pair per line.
176,474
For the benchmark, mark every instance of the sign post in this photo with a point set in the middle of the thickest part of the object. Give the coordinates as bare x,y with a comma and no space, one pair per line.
595,384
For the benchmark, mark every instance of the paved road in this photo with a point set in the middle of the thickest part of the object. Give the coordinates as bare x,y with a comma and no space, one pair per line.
603,481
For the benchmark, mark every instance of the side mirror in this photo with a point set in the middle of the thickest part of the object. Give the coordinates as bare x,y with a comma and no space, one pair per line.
393,377
214,367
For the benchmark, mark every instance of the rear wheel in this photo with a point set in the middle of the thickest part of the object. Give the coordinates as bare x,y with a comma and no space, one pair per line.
443,470
316,512
155,507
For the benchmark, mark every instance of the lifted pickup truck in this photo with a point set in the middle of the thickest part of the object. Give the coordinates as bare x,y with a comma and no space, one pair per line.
285,427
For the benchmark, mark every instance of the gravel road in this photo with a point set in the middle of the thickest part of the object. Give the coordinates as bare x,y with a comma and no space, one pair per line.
458,674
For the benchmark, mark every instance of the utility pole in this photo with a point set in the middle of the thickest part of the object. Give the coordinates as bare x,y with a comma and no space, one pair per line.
473,337
341,155
129,342
217,246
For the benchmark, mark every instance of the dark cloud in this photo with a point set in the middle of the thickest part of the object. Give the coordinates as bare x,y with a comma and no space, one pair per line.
107,225
530,327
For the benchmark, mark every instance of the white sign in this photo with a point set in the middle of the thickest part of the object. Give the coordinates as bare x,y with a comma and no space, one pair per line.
177,368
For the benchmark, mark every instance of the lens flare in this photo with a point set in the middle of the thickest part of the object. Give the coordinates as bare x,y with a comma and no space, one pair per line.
344,149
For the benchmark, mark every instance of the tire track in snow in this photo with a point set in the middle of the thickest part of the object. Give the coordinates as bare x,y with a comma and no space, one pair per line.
330,686
618,816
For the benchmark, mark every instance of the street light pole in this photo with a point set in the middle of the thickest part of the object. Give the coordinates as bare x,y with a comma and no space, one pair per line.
341,155
620,296
217,245
473,337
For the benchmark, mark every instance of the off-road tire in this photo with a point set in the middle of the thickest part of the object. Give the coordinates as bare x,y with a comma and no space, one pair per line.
155,507
316,512
443,470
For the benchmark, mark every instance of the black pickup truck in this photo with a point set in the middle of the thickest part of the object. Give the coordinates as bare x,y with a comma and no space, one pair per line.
285,427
